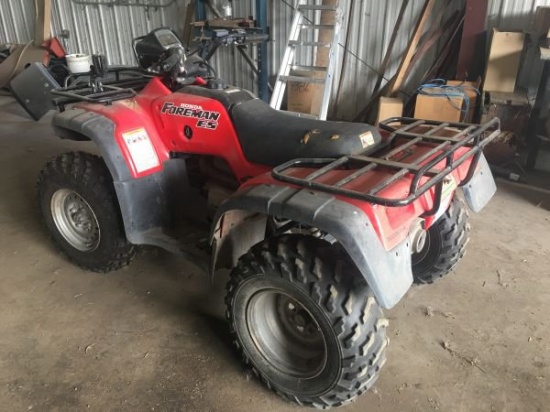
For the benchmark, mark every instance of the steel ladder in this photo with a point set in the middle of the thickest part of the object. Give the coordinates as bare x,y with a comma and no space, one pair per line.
309,30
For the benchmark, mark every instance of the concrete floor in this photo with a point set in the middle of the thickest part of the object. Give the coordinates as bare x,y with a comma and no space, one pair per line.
151,336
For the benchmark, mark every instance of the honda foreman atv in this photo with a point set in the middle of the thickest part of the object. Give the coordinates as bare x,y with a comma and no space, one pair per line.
323,224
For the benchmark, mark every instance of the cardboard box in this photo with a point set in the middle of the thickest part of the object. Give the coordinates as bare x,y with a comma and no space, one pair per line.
431,105
504,61
389,107
305,97
470,89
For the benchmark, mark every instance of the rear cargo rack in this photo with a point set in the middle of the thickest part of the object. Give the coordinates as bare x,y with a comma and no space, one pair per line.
403,136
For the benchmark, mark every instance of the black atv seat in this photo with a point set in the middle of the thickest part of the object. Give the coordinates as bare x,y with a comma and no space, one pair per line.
272,137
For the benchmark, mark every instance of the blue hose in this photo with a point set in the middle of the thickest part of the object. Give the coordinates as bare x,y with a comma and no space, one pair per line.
450,92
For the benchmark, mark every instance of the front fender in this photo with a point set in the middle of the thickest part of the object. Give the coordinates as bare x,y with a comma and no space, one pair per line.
388,273
147,201
78,124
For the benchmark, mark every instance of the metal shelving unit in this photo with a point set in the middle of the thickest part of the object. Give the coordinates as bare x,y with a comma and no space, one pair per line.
262,29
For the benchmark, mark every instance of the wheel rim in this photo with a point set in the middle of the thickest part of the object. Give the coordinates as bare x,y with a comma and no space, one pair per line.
286,334
418,257
75,220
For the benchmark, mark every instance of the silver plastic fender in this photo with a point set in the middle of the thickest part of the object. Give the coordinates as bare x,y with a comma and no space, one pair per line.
388,274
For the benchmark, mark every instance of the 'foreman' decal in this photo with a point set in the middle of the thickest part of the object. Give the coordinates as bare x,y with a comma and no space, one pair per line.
206,118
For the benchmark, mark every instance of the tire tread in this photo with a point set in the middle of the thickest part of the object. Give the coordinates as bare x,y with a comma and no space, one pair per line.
328,276
89,171
452,231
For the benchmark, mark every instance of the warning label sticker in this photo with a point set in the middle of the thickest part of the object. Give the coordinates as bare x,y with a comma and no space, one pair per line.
141,150
367,139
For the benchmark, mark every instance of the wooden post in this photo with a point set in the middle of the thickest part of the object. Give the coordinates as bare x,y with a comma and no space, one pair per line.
188,24
389,51
411,49
326,36
43,21
472,47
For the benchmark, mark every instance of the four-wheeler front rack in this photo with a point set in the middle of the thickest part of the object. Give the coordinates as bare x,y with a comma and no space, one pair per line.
404,135
121,83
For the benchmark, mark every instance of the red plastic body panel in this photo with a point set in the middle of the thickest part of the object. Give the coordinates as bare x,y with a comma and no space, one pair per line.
184,123
129,116
212,134
392,224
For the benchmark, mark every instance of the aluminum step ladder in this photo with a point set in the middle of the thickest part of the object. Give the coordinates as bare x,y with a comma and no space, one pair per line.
305,33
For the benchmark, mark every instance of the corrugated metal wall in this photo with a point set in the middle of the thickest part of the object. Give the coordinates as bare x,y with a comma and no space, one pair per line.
109,30
93,28
513,14
229,63
16,21
372,23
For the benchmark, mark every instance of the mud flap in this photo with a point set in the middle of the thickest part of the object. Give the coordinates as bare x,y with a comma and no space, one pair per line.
481,188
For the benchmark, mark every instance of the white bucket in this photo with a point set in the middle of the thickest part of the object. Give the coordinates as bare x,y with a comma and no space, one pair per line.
78,63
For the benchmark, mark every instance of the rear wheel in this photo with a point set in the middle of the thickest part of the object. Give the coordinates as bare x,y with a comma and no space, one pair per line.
445,245
79,208
305,321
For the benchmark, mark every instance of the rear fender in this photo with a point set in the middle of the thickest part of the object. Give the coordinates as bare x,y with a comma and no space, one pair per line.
146,200
240,223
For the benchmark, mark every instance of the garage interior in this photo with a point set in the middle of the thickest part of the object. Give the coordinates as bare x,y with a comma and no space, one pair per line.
153,335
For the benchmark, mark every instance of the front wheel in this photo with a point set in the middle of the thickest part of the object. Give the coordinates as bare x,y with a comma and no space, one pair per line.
79,207
305,321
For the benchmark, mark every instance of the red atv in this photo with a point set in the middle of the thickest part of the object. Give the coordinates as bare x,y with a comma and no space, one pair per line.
322,224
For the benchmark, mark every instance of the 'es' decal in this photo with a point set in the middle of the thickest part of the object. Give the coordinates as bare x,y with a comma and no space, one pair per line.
206,119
